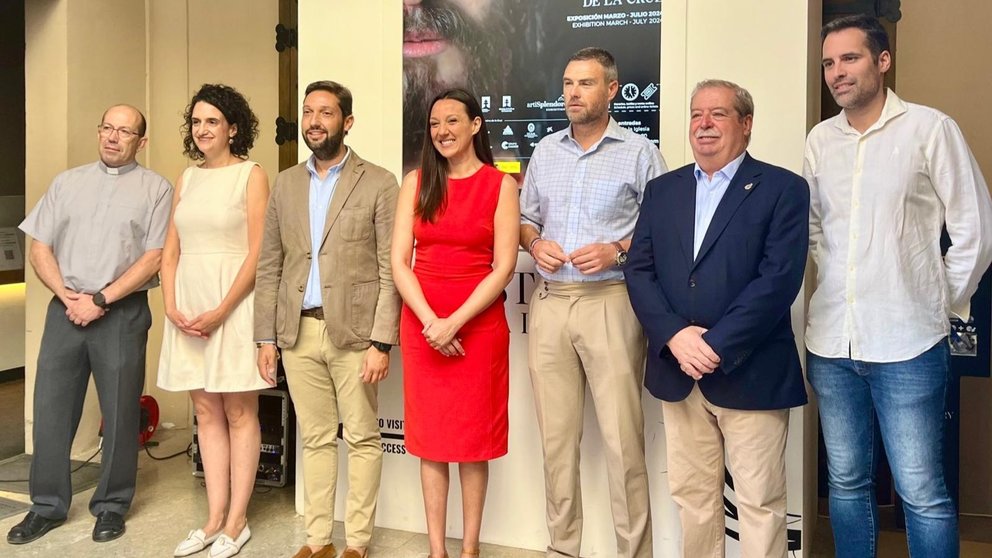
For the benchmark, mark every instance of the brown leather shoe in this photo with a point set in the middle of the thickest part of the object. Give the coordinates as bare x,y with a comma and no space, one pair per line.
352,553
326,552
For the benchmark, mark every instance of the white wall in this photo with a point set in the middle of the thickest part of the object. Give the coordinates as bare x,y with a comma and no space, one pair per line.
363,53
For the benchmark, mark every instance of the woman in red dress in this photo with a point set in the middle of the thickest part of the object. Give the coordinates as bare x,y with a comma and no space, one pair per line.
454,251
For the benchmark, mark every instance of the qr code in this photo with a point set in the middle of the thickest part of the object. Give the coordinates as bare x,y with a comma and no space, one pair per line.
8,254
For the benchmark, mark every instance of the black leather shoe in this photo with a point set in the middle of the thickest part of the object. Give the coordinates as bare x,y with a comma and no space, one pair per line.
109,526
32,528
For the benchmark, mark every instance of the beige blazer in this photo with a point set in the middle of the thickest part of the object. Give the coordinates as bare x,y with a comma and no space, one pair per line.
360,302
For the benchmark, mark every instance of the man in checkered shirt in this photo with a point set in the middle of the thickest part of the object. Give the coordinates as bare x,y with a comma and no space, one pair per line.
579,203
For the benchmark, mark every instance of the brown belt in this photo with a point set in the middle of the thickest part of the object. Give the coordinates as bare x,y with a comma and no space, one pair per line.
313,313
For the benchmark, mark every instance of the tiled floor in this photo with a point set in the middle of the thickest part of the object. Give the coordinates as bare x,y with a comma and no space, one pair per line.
170,502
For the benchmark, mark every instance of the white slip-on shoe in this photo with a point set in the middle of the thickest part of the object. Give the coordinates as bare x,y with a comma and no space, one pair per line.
195,542
225,546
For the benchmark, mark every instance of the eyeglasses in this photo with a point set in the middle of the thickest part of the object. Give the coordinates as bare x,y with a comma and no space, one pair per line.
124,134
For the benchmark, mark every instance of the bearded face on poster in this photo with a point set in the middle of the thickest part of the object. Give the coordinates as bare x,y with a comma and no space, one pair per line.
455,43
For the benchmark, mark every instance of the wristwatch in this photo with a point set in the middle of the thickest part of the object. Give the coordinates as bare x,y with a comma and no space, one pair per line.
621,254
381,347
100,300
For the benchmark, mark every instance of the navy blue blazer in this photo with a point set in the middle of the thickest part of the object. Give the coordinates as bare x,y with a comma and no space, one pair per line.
740,287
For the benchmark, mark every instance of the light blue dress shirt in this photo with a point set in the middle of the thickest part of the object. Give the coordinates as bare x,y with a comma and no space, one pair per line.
709,192
320,197
577,197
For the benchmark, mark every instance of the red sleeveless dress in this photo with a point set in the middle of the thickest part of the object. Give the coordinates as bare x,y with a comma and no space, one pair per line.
456,407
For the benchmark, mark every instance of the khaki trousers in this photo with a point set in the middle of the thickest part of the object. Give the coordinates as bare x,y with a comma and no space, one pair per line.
326,385
697,432
587,334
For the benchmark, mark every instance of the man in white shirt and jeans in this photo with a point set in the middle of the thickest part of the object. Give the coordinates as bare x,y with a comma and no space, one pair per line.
885,176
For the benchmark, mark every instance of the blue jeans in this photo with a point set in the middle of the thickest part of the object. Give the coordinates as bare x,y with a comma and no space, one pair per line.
908,400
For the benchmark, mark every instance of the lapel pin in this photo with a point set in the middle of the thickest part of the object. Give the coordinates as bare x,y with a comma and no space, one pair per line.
749,185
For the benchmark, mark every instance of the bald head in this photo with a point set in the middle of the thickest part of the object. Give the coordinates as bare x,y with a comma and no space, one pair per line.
140,126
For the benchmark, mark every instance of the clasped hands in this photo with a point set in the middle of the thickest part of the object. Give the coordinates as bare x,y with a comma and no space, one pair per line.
591,258
695,356
440,335
79,308
200,326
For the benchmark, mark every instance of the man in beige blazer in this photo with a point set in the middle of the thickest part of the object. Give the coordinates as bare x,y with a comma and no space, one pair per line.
325,254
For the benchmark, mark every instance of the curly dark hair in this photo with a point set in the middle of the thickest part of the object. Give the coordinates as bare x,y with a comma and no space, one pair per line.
235,109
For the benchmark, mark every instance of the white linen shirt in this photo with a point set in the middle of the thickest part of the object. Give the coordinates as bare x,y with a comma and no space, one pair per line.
878,201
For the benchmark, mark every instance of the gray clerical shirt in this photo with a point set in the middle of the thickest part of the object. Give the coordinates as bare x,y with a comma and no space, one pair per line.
99,221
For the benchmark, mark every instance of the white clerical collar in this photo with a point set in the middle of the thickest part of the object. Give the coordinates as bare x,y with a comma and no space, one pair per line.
118,170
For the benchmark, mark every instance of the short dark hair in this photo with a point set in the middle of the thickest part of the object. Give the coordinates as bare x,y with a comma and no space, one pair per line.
236,111
876,37
142,123
334,88
600,55
433,194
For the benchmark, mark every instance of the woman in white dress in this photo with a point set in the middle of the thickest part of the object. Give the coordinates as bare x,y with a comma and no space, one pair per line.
208,275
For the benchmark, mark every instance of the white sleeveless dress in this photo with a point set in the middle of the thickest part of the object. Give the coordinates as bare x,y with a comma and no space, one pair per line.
212,222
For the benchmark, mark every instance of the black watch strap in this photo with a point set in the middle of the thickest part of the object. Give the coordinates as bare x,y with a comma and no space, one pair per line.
381,347
100,300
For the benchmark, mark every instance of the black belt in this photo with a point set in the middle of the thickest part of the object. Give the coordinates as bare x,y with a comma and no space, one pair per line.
313,313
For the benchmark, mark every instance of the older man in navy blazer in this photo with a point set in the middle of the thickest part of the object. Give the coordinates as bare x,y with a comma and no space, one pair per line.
716,261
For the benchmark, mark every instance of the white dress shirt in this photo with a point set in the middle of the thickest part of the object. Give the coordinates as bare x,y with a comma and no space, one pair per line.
878,202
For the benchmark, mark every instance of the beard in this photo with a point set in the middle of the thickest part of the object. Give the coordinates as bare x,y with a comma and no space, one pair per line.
587,114
327,149
478,59
860,94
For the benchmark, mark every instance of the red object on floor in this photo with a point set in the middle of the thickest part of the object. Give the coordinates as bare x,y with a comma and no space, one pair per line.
148,421
149,418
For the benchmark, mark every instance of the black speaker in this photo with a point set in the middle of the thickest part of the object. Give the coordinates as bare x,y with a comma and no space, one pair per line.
277,459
